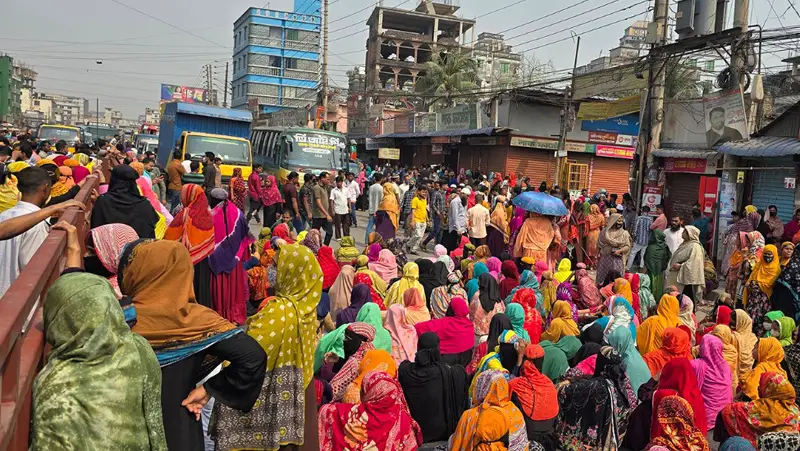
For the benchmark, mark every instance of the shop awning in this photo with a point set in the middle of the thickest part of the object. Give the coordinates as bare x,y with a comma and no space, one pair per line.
763,146
685,153
486,131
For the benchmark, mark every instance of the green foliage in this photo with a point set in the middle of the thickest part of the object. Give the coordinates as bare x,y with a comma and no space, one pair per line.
449,79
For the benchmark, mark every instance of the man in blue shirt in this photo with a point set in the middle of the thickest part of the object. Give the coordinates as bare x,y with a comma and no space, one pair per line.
641,237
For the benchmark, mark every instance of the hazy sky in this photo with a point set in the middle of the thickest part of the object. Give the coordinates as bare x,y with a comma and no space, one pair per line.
62,40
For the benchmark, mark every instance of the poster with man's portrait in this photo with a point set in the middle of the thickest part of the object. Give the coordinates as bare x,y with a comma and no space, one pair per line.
725,117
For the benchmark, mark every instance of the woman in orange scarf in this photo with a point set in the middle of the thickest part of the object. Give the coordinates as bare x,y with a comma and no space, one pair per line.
538,398
535,237
769,356
595,222
562,323
388,215
374,360
649,334
675,344
759,287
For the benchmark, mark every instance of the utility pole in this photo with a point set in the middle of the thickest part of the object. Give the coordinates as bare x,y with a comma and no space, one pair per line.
561,176
209,85
225,88
325,63
738,58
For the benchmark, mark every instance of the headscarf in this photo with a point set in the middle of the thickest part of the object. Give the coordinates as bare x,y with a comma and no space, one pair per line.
389,204
360,296
109,241
410,279
623,343
686,316
589,295
770,356
786,245
622,315
647,302
730,352
557,355
678,378
373,252
123,204
313,239
79,173
95,360
548,289
650,332
385,266
746,340
347,251
381,420
282,231
376,360
158,276
533,324
431,275
329,265
613,239
264,237
537,394
517,220
472,285
562,323
516,314
416,311
623,288
737,443
488,292
765,273
527,280
564,272
370,313
494,264
491,427
713,377
774,410
511,278
676,344
786,326
404,336
499,219
491,392
678,431
539,268
271,195
454,330
341,289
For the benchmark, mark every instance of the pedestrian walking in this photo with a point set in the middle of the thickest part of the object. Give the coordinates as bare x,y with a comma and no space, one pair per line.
322,219
419,219
478,217
353,189
438,210
641,237
341,208
254,191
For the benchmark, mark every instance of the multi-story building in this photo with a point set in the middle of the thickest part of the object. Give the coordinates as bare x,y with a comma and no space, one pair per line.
628,51
10,90
276,57
68,109
41,104
152,116
497,65
356,103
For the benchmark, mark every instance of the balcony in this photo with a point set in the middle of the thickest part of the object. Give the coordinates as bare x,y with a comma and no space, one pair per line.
264,70
300,74
306,46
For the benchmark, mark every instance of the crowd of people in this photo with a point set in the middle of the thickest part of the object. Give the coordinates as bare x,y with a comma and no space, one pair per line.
522,331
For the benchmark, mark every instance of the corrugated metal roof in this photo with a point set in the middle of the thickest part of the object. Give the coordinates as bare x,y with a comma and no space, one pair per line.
685,153
487,131
763,146
213,111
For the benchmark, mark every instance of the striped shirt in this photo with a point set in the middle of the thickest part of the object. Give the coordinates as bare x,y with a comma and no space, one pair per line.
641,229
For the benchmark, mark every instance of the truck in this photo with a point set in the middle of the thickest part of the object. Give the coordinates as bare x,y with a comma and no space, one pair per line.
195,129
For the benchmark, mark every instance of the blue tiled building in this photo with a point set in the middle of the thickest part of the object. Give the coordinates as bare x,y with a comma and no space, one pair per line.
276,57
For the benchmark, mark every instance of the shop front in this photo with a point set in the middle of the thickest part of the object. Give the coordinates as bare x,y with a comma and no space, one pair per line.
690,177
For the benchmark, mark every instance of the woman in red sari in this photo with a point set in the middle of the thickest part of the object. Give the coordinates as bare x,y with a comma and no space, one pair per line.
238,189
381,421
526,297
271,199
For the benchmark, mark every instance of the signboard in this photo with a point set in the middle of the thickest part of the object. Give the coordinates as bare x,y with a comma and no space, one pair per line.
550,144
789,182
627,125
651,197
425,122
436,149
626,140
177,93
606,110
725,118
740,177
615,152
486,140
371,144
691,165
389,153
603,138
440,139
462,117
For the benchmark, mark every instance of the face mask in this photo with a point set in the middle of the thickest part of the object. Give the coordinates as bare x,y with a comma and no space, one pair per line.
767,326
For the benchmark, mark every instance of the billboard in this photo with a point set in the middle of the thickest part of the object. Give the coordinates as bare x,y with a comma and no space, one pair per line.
178,93
725,118
624,125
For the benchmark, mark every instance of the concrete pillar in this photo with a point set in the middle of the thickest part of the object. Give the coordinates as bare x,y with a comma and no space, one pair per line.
435,29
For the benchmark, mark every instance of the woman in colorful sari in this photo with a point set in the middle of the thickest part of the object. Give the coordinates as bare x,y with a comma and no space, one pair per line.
787,250
713,377
329,265
104,247
773,411
768,356
455,331
549,296
499,323
388,214
510,278
339,354
621,315
416,311
656,261
494,264
783,329
562,323
647,302
105,374
485,303
347,252
533,323
157,275
381,421
786,291
410,279
564,272
403,334
376,360
594,412
491,392
614,244
526,280
385,266
625,346
595,221
377,283
589,297
435,391
536,397
285,329
497,232
535,237
675,344
679,433
472,284
758,290
238,188
370,314
516,222
282,231
651,331
228,278
678,378
746,341
271,199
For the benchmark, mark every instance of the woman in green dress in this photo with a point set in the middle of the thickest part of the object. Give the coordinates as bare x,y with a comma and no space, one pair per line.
656,260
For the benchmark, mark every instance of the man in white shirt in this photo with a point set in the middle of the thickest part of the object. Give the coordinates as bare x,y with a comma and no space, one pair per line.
478,218
375,197
341,208
34,184
187,161
674,234
353,191
404,186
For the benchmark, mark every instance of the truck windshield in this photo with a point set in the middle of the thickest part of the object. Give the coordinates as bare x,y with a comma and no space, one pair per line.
314,150
57,133
232,151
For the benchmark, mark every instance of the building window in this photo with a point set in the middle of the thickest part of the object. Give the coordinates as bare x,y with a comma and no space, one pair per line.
292,35
504,68
289,91
274,61
291,63
234,65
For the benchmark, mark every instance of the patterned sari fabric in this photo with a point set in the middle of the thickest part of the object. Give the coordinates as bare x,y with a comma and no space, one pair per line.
101,386
778,441
108,241
491,391
770,355
285,330
238,189
193,226
679,433
374,360
774,410
380,422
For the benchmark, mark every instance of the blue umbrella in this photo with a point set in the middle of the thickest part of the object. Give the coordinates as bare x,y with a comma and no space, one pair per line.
541,203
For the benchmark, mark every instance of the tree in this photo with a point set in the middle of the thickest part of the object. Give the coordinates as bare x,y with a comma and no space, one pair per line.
533,70
449,77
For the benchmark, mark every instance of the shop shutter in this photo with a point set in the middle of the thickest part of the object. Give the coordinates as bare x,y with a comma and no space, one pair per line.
611,174
681,193
536,164
768,188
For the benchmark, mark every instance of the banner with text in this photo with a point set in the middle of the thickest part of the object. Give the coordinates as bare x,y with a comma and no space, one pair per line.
177,93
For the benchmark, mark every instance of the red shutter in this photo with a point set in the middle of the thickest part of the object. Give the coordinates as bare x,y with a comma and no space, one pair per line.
611,174
536,164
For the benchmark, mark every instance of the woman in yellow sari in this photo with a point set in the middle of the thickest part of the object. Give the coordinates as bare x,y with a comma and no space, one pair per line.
651,331
746,340
562,323
410,279
564,272
729,352
388,215
548,289
377,283
768,359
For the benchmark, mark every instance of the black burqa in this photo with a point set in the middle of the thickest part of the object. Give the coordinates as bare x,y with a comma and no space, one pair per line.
592,339
488,292
497,325
435,276
123,204
436,393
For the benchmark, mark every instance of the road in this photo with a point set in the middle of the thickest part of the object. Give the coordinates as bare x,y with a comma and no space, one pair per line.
356,232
